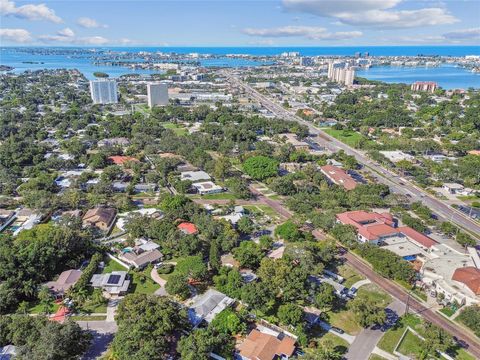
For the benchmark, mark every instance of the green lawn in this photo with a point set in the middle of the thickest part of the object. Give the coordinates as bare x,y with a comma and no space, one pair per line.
322,336
348,137
349,274
37,308
411,345
112,265
375,357
462,354
393,335
339,344
259,209
88,318
374,292
94,308
219,196
447,311
177,129
345,320
146,287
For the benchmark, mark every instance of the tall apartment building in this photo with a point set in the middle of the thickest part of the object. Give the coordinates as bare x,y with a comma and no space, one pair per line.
104,91
157,94
341,73
429,86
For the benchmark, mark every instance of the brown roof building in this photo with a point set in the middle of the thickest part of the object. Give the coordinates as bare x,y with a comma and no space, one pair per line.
139,258
100,217
261,346
374,227
470,277
64,282
339,177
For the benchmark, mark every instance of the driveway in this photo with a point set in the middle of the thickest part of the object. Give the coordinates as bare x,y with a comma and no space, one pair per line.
367,340
155,277
102,332
361,283
347,337
112,309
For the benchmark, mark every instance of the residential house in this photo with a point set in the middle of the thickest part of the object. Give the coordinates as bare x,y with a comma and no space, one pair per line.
121,160
187,228
119,141
141,255
138,188
65,281
235,216
100,217
25,219
266,346
208,305
207,187
194,176
339,177
112,284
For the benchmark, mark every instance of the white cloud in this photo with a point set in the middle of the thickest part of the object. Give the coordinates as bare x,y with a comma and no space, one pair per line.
465,34
29,11
309,32
462,36
89,23
92,40
372,13
15,35
72,39
66,32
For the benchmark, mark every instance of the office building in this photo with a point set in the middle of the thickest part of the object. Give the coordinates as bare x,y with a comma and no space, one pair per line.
157,94
104,91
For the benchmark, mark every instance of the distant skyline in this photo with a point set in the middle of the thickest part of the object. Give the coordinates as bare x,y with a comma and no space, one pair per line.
240,23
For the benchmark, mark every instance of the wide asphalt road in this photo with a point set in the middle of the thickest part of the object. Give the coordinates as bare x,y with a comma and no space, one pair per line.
383,175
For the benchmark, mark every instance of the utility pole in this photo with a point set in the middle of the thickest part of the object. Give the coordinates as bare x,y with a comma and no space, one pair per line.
407,304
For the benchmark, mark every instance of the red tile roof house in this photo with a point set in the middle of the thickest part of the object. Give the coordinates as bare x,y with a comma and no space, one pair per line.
338,176
187,228
120,160
374,227
261,346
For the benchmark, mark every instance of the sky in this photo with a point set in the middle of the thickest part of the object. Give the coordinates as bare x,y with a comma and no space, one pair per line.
239,22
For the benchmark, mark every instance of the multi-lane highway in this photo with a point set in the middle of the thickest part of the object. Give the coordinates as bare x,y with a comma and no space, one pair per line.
383,175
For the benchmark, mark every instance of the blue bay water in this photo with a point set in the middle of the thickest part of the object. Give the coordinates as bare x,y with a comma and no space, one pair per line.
447,76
